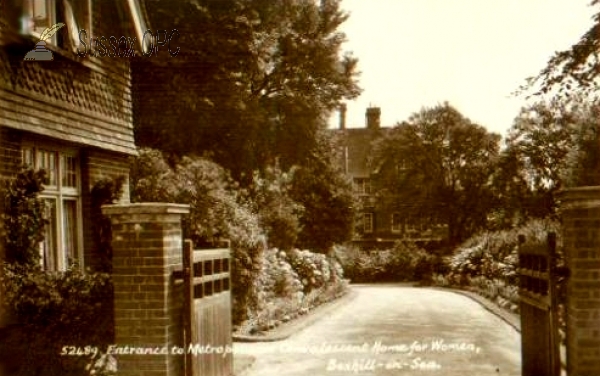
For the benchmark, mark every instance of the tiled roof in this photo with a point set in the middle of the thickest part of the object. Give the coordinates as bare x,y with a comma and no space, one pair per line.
358,142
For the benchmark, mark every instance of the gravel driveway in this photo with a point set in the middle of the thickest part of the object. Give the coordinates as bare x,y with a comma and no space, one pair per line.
395,330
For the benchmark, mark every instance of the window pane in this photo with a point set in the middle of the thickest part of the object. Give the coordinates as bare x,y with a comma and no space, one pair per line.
68,171
48,247
368,222
41,15
27,157
47,161
70,231
396,222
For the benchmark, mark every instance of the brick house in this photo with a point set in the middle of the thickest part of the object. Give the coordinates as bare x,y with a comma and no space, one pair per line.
71,116
384,218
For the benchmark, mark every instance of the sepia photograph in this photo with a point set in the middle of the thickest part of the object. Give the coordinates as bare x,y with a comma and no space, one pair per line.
299,187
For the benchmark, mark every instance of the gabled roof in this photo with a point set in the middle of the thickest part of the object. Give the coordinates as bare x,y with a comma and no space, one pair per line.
358,142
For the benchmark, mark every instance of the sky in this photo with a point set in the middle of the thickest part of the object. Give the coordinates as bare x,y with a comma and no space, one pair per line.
471,53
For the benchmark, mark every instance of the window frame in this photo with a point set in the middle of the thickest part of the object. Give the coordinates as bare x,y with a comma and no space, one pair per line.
410,226
28,19
368,224
60,195
397,223
73,20
77,15
362,186
139,24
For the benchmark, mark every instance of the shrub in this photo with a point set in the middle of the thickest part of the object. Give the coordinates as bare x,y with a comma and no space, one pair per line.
151,177
404,262
56,310
105,191
494,254
217,210
281,293
279,214
24,217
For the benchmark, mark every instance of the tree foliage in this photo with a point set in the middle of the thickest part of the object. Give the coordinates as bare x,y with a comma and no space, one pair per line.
327,196
440,162
576,68
279,215
551,145
24,217
256,80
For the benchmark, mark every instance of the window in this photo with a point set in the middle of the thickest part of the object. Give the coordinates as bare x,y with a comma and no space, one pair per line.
412,225
72,25
367,223
140,25
41,14
37,16
396,222
63,239
362,186
401,166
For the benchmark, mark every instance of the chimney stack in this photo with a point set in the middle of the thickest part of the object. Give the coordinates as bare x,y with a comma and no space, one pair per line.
343,116
373,117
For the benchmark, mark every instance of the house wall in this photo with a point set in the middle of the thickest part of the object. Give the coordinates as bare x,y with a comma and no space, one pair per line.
85,100
97,165
73,101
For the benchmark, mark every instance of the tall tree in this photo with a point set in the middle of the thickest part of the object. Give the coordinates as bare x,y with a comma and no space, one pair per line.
572,73
327,196
553,145
255,79
442,163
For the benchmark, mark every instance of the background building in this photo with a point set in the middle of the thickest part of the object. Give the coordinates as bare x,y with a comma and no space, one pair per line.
383,218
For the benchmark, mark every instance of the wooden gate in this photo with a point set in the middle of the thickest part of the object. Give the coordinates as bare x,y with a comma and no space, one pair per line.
207,311
538,296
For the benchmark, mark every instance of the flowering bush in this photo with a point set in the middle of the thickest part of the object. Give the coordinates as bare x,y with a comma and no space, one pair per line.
494,255
289,284
488,264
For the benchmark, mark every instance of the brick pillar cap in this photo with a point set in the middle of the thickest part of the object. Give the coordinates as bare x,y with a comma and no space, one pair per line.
146,208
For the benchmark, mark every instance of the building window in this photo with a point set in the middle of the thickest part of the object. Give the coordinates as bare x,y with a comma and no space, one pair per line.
412,225
397,223
71,17
362,186
38,15
140,25
367,223
401,166
62,242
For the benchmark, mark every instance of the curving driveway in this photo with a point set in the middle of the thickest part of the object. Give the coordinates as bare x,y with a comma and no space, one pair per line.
395,330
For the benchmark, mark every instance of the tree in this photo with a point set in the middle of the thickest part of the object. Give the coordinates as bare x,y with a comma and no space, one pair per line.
441,163
574,71
279,215
553,146
254,83
326,194
576,67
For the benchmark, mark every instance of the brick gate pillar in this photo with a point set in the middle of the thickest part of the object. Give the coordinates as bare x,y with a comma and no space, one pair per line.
147,248
581,236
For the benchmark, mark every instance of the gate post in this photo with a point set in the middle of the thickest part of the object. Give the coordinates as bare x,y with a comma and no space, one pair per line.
147,248
581,236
